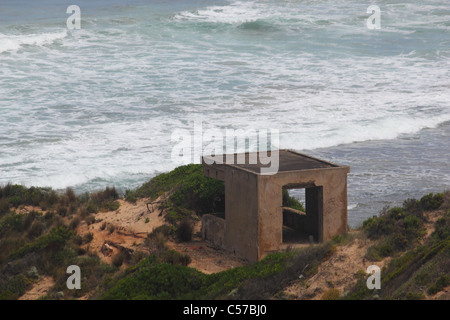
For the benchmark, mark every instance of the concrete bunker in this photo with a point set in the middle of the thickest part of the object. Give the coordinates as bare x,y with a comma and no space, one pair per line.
256,223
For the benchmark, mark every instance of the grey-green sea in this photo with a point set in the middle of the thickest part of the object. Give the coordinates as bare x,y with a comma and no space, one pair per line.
97,106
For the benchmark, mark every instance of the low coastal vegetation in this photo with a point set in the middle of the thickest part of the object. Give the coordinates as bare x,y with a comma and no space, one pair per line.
154,278
38,237
41,241
418,266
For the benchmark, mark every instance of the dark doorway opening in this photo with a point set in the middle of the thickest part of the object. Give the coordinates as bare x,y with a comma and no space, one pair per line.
302,225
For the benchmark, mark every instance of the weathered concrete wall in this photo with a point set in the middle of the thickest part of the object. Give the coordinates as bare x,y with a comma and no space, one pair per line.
215,172
241,213
213,229
334,191
270,219
335,204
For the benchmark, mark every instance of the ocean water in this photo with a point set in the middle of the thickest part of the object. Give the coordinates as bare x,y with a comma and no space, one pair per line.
97,106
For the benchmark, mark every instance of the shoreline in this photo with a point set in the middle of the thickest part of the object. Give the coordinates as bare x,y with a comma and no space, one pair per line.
382,172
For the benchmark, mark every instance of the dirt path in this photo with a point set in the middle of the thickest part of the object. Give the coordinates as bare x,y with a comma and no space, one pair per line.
205,257
133,222
135,218
126,227
432,217
39,289
337,272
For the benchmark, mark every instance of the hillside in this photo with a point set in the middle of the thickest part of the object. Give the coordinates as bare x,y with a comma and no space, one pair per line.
152,234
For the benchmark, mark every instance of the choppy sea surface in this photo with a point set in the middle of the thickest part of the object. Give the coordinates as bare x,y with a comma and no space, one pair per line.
97,106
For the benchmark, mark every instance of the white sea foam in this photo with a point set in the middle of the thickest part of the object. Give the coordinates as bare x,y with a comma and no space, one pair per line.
234,12
15,42
101,107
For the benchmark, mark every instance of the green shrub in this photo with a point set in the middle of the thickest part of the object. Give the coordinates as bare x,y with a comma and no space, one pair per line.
14,287
176,215
421,264
88,237
62,210
442,282
442,227
164,229
160,241
291,202
151,281
415,296
400,229
397,213
342,238
118,259
375,227
446,203
57,238
130,196
90,219
70,194
413,228
137,257
191,189
384,249
11,223
36,229
431,201
175,258
399,242
413,207
4,206
111,228
74,223
111,205
92,207
359,291
78,240
28,219
373,254
103,200
331,294
171,279
16,195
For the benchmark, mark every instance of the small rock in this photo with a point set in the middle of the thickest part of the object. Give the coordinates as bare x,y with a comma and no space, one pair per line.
106,249
60,295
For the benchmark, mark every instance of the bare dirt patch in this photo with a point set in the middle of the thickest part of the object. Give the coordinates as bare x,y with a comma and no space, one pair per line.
205,257
337,272
132,223
126,228
340,269
39,289
136,218
431,217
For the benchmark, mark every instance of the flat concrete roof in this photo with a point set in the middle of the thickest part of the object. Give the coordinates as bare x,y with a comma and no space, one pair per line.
288,161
